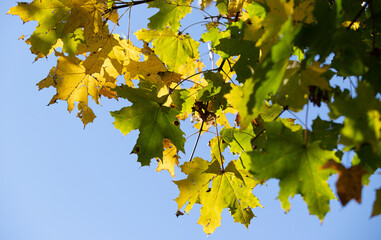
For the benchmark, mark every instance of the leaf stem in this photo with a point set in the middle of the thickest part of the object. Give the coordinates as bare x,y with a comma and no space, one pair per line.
192,25
198,138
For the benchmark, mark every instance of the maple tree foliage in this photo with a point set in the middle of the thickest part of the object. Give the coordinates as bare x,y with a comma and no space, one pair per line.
273,56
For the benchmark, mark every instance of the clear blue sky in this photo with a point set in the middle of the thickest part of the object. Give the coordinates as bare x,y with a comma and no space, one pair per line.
61,182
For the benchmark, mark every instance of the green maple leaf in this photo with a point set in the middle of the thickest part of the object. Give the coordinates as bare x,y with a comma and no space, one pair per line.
240,140
155,121
327,132
228,190
237,139
297,166
369,159
269,74
170,13
173,49
362,123
234,43
297,80
215,90
214,35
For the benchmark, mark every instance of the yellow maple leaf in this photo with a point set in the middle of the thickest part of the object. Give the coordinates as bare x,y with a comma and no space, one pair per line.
170,158
152,70
86,14
303,13
73,84
113,54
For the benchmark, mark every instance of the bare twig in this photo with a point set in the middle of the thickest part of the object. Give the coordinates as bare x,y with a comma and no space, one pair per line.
359,13
198,138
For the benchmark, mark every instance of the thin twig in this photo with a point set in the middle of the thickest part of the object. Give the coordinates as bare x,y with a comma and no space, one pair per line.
112,30
305,129
293,114
263,130
186,79
192,25
359,14
195,144
205,131
129,21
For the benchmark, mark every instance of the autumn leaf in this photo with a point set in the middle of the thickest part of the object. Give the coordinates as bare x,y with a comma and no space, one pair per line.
377,204
113,54
268,59
349,184
49,14
78,24
215,189
170,158
173,49
152,70
73,84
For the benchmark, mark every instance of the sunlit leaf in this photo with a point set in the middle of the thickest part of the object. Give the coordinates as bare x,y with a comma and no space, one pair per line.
215,189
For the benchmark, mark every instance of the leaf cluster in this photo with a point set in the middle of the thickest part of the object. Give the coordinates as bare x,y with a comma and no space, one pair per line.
273,56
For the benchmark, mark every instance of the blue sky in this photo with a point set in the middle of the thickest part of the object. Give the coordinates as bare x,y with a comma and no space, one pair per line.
59,181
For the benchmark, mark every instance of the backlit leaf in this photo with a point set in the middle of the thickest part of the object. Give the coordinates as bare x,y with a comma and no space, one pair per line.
362,122
154,121
170,158
215,189
173,49
170,13
73,84
297,165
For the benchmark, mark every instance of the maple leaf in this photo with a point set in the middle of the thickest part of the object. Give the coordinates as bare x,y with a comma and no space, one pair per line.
214,35
73,84
152,70
170,158
170,13
237,139
237,45
349,184
78,23
295,164
113,54
327,132
229,189
155,121
279,14
370,160
296,79
173,49
86,14
50,15
214,91
362,123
